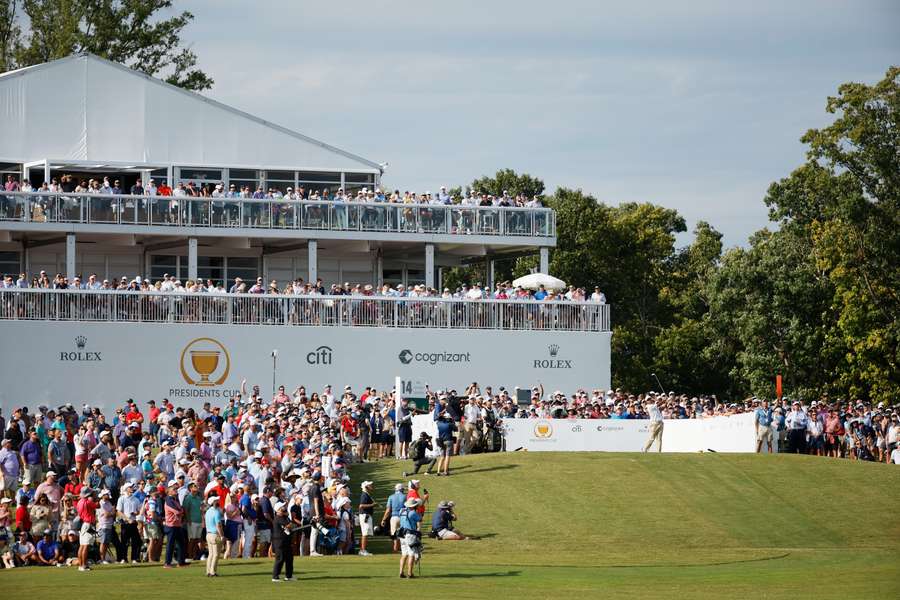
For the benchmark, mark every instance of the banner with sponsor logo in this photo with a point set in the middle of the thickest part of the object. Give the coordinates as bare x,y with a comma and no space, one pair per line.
720,434
104,364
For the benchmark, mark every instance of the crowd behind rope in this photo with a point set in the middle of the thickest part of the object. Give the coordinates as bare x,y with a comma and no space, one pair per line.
259,476
303,303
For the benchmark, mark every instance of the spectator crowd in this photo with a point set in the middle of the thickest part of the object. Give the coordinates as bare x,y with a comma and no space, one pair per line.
269,477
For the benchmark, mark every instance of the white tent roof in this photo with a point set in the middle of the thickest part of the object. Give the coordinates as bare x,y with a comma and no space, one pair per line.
85,108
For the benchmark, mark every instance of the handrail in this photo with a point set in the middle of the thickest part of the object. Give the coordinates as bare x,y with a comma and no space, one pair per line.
277,309
275,213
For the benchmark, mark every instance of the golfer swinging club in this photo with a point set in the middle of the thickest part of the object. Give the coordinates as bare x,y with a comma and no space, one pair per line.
656,424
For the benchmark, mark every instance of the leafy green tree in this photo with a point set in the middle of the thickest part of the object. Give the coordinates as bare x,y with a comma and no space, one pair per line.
130,32
509,181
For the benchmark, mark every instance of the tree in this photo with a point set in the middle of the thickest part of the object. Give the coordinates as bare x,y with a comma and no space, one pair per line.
507,180
129,32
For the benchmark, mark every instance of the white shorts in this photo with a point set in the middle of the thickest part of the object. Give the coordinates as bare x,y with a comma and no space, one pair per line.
395,524
408,545
447,534
194,530
85,538
366,526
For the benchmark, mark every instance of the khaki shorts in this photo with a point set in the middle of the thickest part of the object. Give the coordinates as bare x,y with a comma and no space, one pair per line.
409,545
85,537
194,530
395,524
764,434
366,526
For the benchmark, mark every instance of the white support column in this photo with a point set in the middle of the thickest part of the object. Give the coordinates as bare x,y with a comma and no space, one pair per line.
429,265
70,256
379,268
545,260
313,260
491,284
46,174
192,258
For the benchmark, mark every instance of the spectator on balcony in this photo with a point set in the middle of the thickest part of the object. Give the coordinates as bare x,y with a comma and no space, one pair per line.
137,189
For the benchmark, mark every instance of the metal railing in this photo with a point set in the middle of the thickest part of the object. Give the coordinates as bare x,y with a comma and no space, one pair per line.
335,311
278,214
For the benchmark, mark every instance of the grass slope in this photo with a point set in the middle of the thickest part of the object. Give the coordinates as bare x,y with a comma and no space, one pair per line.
610,525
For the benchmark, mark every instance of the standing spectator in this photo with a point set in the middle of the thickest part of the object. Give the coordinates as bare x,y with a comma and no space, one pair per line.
193,509
762,420
392,512
9,468
128,509
106,521
797,423
410,537
215,534
32,459
366,521
173,528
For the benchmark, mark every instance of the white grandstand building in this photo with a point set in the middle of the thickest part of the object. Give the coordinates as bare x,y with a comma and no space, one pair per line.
86,117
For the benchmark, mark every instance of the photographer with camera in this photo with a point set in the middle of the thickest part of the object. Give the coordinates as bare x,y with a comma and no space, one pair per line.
410,537
418,453
442,522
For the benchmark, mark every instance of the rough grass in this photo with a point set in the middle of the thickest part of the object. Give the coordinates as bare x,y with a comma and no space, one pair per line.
597,525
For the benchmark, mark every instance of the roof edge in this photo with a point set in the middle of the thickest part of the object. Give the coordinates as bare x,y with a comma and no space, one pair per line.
197,96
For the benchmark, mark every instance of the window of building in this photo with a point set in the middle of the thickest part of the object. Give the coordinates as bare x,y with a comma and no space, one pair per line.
280,180
201,174
247,268
160,264
211,267
10,264
160,176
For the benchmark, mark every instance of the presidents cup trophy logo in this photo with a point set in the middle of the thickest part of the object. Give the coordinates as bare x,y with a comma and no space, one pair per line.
205,362
543,429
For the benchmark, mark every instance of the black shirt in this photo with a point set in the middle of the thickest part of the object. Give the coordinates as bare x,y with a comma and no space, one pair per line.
365,498
279,537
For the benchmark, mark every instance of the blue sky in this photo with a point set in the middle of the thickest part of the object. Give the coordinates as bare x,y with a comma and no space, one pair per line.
696,106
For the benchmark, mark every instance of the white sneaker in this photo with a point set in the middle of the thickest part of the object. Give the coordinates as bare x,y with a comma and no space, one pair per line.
276,581
290,579
365,553
83,569
105,562
315,554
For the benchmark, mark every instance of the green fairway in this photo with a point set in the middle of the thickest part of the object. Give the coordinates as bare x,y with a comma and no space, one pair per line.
597,525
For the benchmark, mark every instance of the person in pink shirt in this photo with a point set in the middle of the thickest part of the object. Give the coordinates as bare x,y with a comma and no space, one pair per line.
87,512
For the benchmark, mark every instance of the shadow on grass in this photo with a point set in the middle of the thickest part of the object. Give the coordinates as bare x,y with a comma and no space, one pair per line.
469,470
472,575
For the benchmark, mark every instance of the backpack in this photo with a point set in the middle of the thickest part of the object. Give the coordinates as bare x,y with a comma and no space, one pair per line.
414,449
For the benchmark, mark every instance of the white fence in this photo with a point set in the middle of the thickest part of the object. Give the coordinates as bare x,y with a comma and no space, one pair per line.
333,311
720,434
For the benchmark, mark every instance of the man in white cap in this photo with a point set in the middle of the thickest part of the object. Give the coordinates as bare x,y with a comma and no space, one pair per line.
215,535
128,509
282,534
392,511
366,520
410,537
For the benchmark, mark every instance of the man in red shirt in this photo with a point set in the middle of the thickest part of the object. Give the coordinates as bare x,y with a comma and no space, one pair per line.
74,484
414,493
220,489
152,415
87,512
133,415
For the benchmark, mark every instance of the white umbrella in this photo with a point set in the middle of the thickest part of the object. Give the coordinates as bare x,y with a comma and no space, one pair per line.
535,280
